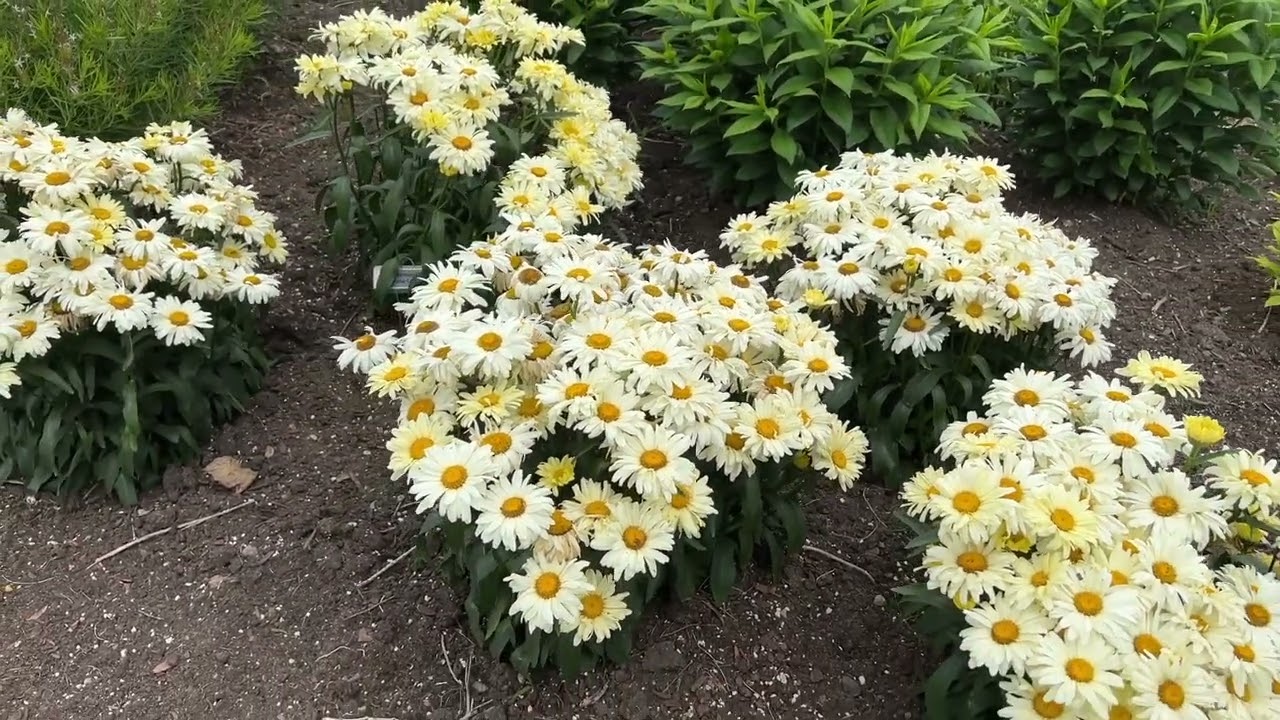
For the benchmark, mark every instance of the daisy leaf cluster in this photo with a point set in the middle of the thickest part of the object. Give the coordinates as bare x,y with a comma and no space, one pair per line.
921,253
1083,532
591,424
471,117
143,256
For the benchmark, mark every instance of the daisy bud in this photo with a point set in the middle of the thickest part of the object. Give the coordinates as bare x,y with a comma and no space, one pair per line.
1204,431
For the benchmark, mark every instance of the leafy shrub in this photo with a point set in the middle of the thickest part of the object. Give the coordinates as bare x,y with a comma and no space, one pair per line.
590,429
764,88
1271,263
127,280
1079,560
608,54
107,68
466,121
1138,100
933,288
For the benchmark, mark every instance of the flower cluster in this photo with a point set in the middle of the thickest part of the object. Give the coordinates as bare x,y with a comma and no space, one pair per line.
929,240
1084,532
460,80
574,401
129,235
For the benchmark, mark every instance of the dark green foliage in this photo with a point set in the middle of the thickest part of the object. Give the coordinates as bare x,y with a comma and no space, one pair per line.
107,68
609,56
904,402
759,519
761,89
111,411
1143,100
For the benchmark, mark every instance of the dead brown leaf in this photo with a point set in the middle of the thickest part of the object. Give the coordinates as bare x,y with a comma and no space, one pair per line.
35,616
364,635
165,665
231,474
216,581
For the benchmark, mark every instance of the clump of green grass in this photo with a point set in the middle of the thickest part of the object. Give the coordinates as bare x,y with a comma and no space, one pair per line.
107,68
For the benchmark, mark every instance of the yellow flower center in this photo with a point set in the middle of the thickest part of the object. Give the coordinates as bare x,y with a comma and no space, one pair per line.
768,428
634,537
739,325
120,302
597,509
498,441
454,477
547,585
489,341
178,318
972,561
1254,478
975,428
1257,615
1172,694
57,227
1063,519
915,323
608,412
1124,439
735,441
1026,397
418,449
1004,632
448,285
1045,708
1083,474
654,358
1165,572
1244,652
966,502
26,328
682,498
1080,670
364,342
1033,432
975,309
653,459
1147,644
1088,603
16,266
576,390
461,142
1040,578
513,507
57,177
1164,506
592,606
395,373
839,459
1013,292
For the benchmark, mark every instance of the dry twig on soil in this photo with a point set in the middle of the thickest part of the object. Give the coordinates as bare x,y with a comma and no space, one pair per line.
385,568
189,524
842,561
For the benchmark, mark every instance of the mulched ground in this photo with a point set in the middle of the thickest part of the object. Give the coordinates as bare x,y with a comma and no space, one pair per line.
257,614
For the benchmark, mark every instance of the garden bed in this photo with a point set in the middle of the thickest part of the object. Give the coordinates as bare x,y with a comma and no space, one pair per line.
257,613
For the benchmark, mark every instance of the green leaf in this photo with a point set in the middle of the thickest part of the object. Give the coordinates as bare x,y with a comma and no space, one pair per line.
937,704
744,125
841,77
724,571
784,145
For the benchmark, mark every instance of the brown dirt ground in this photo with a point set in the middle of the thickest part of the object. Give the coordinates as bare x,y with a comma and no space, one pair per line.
257,614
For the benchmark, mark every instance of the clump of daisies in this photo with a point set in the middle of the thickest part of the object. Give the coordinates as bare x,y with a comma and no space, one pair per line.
582,416
926,247
921,253
129,272
472,99
142,235
1086,533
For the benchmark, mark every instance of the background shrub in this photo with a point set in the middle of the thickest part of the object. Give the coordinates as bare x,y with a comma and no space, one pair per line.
107,68
1270,262
1139,99
609,55
764,88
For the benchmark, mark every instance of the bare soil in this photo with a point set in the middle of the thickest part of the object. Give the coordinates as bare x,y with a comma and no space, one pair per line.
258,613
